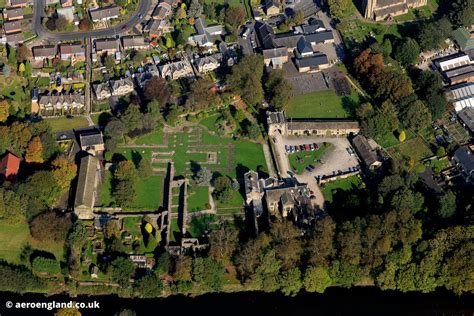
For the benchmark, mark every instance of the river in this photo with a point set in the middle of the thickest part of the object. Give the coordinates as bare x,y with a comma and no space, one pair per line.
336,301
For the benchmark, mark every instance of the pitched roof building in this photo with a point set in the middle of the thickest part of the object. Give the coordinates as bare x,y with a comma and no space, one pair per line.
42,52
462,96
177,70
106,45
463,159
9,166
208,63
86,190
121,86
382,9
365,152
205,33
134,42
105,13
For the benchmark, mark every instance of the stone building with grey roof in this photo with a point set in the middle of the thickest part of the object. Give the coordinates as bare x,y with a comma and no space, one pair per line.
86,189
379,10
92,141
365,152
278,123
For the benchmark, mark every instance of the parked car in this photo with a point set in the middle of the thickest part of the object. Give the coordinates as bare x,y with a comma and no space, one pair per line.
316,146
306,147
301,148
312,167
350,151
287,149
308,169
311,146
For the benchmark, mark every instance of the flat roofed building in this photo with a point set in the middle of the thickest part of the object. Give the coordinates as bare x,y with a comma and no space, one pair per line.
452,61
462,96
467,118
86,190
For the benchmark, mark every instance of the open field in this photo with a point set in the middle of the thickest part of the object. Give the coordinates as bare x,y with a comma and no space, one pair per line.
324,104
198,198
63,123
347,184
149,193
415,150
13,237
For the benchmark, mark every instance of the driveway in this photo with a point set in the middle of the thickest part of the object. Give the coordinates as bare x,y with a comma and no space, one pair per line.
40,30
336,158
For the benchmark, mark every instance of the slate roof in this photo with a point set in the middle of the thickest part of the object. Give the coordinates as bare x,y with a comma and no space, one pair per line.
12,26
312,61
13,12
275,52
133,41
364,150
14,38
92,138
105,12
106,44
47,51
72,48
321,125
465,158
86,182
467,117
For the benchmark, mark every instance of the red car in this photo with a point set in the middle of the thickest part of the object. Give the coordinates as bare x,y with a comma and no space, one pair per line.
306,147
316,146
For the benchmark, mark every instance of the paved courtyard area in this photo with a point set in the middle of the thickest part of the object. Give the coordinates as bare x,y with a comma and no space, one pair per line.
336,158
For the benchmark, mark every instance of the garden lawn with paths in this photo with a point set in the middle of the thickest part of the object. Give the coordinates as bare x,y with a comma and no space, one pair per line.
300,160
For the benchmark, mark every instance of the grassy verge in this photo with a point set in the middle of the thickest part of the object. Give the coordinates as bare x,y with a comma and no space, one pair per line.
347,184
301,160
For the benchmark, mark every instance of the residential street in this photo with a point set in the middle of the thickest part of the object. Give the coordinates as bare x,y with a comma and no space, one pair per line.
39,29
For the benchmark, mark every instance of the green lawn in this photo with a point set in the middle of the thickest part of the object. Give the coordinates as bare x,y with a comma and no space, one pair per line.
11,88
415,150
63,123
415,14
438,165
198,198
149,193
210,122
232,3
155,138
13,237
236,201
356,31
347,184
324,104
301,160
175,231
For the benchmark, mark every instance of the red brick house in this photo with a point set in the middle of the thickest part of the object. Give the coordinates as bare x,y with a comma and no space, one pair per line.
9,166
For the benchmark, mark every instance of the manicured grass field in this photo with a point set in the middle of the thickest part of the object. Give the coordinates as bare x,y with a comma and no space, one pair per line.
414,149
302,159
347,184
324,104
13,237
198,198
235,202
155,138
149,193
210,122
64,124
438,165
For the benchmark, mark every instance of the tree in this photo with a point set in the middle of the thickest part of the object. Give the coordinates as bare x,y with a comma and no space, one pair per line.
23,53
183,268
290,282
109,62
64,171
114,129
446,205
316,279
61,23
180,13
430,88
34,151
132,118
209,273
157,89
40,190
234,17
223,244
154,109
417,116
50,226
432,34
125,177
12,59
407,51
68,312
122,270
195,9
85,24
278,89
12,208
246,77
144,168
339,8
149,286
203,177
222,188
21,68
461,12
201,96
164,263
402,137
298,17
124,193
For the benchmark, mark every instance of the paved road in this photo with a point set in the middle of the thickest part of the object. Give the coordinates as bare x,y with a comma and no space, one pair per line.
39,29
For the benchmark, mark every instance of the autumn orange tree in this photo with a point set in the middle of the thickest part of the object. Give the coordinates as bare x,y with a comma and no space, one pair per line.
34,151
64,171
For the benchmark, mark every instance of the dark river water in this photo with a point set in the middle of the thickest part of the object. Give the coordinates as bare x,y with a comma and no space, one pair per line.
356,301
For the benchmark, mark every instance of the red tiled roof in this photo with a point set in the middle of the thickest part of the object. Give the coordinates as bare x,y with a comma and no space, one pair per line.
9,165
